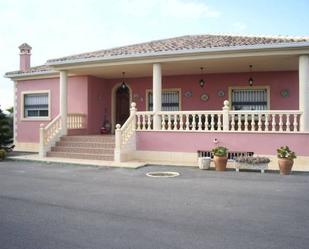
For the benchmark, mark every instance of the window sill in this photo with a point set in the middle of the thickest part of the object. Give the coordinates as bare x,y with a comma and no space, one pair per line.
36,119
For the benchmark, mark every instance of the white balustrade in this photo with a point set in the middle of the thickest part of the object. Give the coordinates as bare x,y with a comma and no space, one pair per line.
76,121
125,135
223,120
54,130
182,120
265,121
49,134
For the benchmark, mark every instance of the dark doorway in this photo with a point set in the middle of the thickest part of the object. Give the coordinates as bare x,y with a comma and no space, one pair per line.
122,104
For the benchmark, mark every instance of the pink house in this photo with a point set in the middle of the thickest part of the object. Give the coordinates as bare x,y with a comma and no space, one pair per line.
165,100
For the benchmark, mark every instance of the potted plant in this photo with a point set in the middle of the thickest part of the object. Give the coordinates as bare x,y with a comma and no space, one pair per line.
220,157
285,159
251,162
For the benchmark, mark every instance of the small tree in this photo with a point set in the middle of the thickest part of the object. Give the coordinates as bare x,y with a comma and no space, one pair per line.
6,134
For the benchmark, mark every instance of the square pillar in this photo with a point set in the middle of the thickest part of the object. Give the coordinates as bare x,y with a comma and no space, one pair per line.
157,93
64,100
304,92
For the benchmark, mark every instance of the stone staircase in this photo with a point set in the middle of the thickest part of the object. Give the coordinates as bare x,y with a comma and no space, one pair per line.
92,147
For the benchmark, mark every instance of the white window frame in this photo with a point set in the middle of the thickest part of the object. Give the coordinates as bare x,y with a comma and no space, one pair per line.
164,90
250,88
22,106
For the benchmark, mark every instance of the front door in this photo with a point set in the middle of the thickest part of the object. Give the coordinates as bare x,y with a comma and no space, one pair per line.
122,104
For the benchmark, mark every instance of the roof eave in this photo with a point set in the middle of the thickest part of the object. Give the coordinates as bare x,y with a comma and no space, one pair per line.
248,48
20,76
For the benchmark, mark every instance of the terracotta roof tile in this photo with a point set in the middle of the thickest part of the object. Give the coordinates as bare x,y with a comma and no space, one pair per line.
182,43
37,69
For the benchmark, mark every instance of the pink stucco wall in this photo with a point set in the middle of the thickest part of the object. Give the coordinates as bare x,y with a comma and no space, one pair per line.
97,104
263,143
28,131
93,96
277,81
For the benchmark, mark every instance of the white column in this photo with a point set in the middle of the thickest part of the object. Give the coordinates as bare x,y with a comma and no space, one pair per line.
15,114
304,91
157,91
64,100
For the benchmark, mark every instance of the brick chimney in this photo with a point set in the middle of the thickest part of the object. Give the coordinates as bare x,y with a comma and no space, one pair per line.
25,55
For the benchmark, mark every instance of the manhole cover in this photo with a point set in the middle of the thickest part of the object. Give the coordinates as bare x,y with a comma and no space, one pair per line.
162,174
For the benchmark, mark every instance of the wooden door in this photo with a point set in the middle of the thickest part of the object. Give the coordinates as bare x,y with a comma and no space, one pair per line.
122,105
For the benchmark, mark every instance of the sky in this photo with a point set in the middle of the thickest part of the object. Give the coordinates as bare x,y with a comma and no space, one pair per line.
63,27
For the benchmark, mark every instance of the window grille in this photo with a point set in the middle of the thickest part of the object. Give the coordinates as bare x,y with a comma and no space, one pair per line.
170,101
36,105
249,99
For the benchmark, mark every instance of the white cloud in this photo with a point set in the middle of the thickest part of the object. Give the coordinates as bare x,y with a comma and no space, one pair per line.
239,26
181,9
188,9
57,28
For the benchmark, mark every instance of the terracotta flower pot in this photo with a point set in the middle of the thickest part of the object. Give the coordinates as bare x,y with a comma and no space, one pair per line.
220,163
285,165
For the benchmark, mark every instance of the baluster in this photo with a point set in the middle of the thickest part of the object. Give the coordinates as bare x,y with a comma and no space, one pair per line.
199,122
280,122
144,122
288,128
187,122
239,128
193,122
232,122
266,122
163,122
260,122
212,122
138,122
169,122
149,122
246,122
219,122
295,123
181,122
273,124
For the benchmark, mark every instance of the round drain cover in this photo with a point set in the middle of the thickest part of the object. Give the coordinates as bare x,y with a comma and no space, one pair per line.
162,174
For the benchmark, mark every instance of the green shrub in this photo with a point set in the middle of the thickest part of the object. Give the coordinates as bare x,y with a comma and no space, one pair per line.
220,151
285,152
2,154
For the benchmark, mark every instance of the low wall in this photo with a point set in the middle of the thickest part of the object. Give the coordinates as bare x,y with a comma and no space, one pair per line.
182,147
259,143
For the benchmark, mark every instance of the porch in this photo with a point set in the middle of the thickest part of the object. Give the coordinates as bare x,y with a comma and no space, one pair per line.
172,135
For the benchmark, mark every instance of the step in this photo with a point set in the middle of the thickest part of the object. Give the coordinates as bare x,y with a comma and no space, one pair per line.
80,156
97,138
86,144
100,151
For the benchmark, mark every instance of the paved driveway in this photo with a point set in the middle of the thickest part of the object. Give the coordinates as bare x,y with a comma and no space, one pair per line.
54,206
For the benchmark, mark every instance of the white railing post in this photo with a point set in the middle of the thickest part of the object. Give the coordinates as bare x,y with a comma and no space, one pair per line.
42,152
133,114
117,153
226,115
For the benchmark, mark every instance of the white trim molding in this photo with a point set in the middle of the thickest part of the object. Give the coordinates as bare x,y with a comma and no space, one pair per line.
22,106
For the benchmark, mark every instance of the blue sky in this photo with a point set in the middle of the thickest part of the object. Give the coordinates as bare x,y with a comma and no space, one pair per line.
63,27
